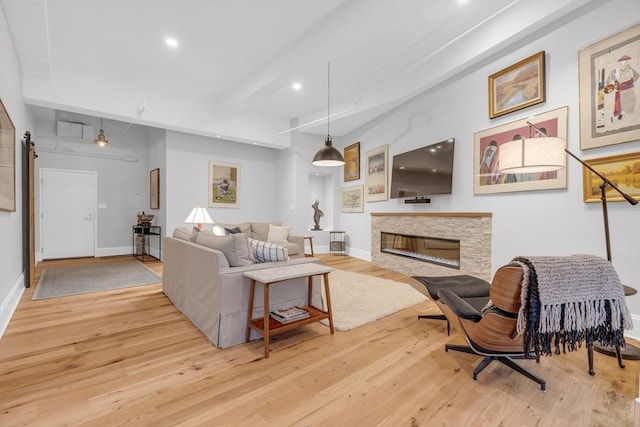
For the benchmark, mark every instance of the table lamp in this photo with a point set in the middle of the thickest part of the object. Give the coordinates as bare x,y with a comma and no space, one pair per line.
199,216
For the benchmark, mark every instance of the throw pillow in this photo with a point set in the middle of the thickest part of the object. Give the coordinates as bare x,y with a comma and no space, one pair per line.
234,246
278,233
268,251
183,233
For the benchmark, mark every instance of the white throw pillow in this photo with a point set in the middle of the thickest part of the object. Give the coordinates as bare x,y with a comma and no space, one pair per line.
267,251
278,233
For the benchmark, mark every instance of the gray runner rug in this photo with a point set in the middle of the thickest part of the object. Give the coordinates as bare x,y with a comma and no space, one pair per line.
58,282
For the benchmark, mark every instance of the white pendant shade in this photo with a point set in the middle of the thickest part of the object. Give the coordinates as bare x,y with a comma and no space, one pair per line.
532,155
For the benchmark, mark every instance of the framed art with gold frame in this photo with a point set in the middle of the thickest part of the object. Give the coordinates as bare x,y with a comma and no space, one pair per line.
352,162
609,109
623,170
518,86
7,161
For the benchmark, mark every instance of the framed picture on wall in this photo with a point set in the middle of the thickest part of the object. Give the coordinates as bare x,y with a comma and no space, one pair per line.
224,185
377,177
353,199
518,86
623,170
154,188
488,179
7,161
352,162
609,107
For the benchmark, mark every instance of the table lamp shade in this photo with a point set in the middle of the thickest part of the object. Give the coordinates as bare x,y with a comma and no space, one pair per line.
199,216
532,155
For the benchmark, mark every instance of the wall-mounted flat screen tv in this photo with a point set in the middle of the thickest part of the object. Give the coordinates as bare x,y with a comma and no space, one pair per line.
423,172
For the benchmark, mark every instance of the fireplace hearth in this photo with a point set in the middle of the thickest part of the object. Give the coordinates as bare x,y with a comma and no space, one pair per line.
435,250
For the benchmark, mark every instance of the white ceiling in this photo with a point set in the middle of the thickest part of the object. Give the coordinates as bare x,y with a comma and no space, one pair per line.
232,72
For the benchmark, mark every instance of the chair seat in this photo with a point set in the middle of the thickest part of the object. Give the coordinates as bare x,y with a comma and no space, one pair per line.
462,285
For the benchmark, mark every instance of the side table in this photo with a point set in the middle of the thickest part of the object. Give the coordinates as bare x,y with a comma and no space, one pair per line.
310,239
141,236
268,326
337,242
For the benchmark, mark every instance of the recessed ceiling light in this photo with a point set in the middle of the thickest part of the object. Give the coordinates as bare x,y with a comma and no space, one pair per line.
171,42
296,86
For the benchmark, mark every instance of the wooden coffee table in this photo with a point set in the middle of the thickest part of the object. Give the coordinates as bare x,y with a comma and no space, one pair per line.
268,326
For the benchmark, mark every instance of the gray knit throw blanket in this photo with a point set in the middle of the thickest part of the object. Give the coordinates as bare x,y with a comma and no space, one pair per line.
569,300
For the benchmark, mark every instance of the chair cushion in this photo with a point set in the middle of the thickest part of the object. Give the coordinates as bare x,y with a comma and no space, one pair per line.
463,285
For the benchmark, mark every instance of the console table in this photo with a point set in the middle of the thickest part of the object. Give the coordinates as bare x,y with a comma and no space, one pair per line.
268,326
141,236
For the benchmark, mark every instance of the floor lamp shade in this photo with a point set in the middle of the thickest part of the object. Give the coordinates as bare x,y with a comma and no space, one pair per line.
532,155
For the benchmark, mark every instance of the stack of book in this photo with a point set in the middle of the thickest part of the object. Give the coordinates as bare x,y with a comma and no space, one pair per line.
291,314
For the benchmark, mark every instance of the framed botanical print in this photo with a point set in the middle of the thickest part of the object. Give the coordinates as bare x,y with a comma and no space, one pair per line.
609,106
352,162
7,161
224,185
353,199
377,177
518,86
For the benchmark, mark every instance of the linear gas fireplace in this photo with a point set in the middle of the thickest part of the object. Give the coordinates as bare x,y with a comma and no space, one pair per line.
435,250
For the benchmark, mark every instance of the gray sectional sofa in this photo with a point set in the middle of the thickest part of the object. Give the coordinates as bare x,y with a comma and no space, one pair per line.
213,294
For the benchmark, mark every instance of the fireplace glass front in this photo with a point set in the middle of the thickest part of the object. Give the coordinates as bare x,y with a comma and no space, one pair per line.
427,249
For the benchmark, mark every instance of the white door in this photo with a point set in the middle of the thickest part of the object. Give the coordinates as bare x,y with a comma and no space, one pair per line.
67,213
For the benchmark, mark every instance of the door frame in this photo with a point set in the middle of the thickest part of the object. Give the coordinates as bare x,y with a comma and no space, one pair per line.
40,203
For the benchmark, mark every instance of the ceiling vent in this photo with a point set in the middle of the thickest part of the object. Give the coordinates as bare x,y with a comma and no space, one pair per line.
75,130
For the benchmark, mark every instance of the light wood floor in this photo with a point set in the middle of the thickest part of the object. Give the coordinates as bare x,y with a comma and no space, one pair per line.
128,357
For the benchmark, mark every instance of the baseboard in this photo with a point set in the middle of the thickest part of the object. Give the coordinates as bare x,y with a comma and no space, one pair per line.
359,253
10,304
635,332
114,251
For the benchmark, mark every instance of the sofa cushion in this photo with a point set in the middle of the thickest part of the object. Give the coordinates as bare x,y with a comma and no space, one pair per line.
259,230
184,233
278,233
268,251
234,246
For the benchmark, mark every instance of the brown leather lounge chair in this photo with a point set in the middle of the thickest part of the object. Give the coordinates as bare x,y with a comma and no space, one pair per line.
474,290
491,333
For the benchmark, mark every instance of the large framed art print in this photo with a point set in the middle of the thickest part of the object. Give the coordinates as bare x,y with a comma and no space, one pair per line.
609,95
488,179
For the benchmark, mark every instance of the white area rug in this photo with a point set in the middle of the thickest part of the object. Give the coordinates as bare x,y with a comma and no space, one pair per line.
357,299
58,282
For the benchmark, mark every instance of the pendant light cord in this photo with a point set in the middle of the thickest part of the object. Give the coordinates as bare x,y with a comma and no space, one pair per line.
328,96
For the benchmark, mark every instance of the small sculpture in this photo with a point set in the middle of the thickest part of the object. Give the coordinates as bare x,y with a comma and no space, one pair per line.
317,213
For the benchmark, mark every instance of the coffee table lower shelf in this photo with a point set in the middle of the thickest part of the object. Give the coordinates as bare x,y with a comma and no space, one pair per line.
275,327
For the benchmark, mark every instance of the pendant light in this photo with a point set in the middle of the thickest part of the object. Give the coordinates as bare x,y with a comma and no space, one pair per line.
328,155
101,140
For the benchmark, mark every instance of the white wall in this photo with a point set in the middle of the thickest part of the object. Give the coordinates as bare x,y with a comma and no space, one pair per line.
122,169
12,268
554,222
187,176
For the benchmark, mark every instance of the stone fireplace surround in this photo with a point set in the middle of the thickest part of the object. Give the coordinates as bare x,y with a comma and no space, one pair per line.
473,229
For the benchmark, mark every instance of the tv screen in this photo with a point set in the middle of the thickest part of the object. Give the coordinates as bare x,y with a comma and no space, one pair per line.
424,171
